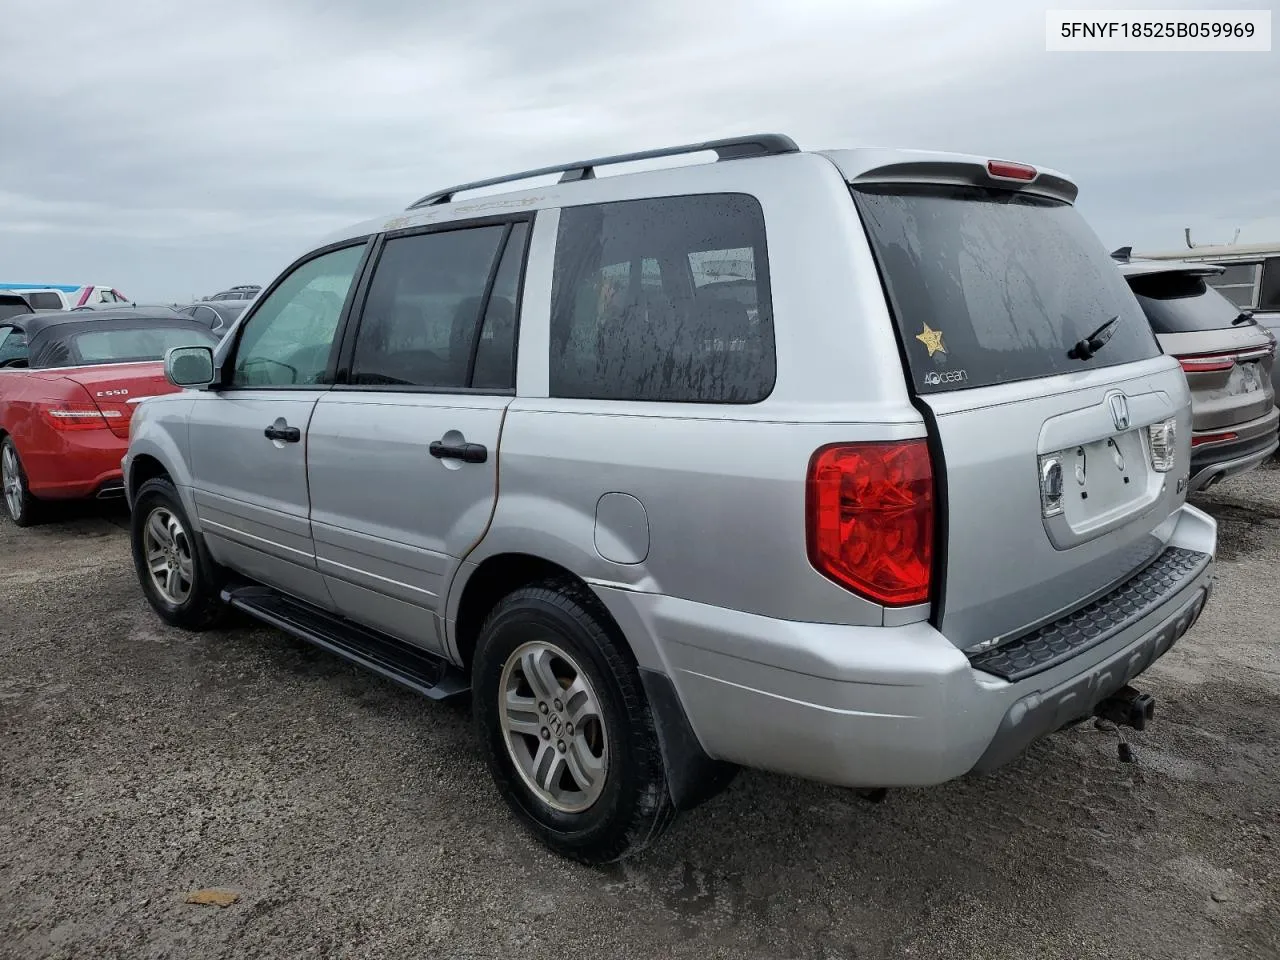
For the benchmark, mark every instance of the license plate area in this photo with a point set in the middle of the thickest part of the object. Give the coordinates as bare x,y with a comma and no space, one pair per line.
1245,378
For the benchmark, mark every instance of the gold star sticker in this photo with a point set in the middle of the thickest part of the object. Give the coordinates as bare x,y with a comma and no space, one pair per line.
932,339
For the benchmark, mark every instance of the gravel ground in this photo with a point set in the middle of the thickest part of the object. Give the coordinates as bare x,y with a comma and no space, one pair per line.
139,763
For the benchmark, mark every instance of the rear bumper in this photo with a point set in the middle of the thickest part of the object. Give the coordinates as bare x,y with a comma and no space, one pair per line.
886,706
1255,443
86,464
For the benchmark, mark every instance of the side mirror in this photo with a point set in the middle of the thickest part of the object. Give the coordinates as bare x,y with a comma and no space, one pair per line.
189,366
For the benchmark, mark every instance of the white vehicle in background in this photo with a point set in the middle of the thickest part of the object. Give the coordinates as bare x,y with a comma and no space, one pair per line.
1250,280
66,296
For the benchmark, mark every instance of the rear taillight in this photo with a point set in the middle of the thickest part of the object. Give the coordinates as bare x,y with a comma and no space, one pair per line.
77,416
1004,170
1211,438
1209,362
1162,441
869,519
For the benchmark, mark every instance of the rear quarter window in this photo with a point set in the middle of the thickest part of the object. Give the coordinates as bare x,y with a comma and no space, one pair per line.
993,286
663,299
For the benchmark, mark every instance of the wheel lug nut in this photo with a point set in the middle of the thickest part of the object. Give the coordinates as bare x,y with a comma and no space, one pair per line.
560,746
542,707
559,705
568,728
546,734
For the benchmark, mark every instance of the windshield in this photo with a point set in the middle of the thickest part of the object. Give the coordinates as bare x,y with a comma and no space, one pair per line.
993,286
96,342
1183,303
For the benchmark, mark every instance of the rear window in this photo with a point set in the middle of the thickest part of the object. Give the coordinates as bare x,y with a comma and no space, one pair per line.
96,343
993,286
45,301
1182,303
11,306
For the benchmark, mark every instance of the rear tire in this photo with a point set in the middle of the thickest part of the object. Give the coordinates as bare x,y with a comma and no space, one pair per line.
596,794
22,507
179,578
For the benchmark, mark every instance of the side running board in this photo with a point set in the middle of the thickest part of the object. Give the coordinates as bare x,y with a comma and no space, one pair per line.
394,659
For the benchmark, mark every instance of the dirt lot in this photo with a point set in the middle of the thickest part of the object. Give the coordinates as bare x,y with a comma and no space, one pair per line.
139,763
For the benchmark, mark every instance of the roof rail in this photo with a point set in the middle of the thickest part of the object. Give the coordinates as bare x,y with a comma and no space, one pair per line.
759,145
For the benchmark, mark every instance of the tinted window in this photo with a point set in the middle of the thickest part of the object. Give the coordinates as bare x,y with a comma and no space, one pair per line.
496,351
113,342
288,339
12,306
420,318
1237,283
44,301
992,286
1269,297
1182,303
635,314
13,346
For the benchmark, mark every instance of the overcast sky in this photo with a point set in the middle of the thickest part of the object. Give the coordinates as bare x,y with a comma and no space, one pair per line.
172,149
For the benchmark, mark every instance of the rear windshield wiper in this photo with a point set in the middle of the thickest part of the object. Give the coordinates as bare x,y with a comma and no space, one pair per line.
1086,348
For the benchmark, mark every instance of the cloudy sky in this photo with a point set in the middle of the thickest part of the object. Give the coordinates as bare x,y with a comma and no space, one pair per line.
172,149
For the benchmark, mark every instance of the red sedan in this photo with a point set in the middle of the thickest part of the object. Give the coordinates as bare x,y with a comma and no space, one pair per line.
68,385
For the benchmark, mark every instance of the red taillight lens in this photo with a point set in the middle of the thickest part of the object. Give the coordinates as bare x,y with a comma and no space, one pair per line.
76,416
869,519
1211,438
1010,171
1207,364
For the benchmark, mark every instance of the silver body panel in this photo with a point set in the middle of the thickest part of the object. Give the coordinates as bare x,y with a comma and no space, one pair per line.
687,520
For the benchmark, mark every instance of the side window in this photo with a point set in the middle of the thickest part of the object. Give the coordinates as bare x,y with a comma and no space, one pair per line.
420,319
288,339
642,307
13,347
1237,283
1269,296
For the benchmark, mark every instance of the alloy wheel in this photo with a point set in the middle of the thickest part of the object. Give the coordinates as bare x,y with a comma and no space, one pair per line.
168,551
552,726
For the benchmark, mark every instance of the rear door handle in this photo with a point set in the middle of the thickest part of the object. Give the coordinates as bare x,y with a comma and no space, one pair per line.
466,452
279,432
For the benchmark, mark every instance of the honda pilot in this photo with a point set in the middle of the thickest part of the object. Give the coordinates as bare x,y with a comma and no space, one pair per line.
860,466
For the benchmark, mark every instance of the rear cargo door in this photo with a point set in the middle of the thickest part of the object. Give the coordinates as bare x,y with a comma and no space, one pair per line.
1050,491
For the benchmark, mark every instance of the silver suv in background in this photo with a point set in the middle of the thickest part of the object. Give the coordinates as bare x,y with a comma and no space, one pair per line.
1228,359
861,466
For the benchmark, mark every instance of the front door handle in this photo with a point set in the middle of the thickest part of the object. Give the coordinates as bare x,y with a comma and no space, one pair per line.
466,452
281,431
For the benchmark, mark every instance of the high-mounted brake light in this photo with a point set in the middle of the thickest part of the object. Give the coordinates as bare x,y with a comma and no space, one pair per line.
869,519
1004,170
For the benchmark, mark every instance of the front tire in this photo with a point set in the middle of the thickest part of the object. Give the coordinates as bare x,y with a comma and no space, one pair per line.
177,574
566,728
22,507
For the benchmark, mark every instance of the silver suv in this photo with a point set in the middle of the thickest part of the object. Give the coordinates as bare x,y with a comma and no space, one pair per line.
861,466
